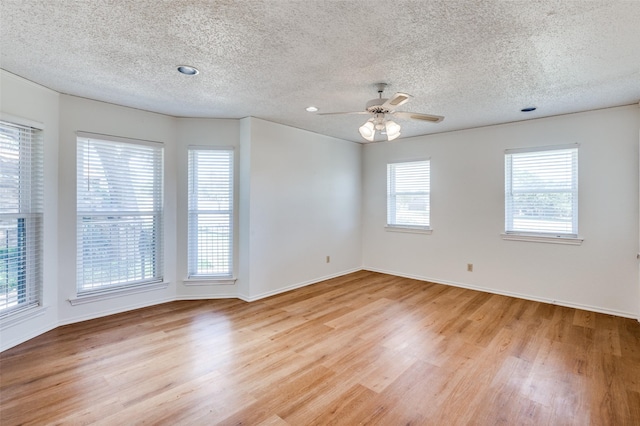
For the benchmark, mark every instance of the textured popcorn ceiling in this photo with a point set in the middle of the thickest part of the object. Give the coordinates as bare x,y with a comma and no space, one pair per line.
475,62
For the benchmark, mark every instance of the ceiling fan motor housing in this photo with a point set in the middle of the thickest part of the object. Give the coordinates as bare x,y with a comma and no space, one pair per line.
374,106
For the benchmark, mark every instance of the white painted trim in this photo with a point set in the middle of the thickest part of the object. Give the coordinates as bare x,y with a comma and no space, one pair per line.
408,229
119,310
90,298
211,148
4,344
510,294
295,286
23,122
409,160
15,342
542,148
81,134
571,241
208,296
19,317
208,281
220,296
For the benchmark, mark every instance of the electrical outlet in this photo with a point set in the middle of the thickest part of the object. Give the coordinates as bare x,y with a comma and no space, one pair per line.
328,259
469,267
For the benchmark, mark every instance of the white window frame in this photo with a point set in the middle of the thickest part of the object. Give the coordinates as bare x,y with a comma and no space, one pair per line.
521,233
93,291
394,223
30,213
225,213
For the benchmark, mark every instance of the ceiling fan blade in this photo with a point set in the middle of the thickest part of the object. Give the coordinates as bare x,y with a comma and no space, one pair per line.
396,100
418,116
338,113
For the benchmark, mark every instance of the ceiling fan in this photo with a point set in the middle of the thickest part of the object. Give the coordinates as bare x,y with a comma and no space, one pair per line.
380,108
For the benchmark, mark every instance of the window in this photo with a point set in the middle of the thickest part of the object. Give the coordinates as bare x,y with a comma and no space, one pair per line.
119,202
408,186
210,239
21,156
541,191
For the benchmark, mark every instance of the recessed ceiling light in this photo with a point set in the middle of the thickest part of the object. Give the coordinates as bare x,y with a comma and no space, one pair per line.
312,109
528,109
187,70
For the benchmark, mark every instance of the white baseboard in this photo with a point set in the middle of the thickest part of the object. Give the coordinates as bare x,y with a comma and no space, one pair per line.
512,294
207,296
4,344
295,286
118,310
268,293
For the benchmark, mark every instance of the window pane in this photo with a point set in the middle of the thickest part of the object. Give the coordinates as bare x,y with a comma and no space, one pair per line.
118,250
541,191
119,197
20,217
408,194
210,235
214,244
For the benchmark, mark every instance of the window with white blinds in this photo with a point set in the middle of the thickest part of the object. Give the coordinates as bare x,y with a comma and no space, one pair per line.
408,194
119,213
21,210
541,191
210,239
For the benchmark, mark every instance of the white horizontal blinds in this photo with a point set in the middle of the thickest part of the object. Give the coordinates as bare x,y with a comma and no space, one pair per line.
21,210
119,214
541,191
210,238
408,190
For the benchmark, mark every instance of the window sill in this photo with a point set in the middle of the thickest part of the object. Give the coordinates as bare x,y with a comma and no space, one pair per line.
409,229
205,281
22,316
96,297
572,241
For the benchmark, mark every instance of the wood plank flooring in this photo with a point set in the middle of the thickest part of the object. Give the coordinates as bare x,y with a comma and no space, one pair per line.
366,348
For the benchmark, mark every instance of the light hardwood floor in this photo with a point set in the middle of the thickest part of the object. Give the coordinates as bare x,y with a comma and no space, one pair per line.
365,348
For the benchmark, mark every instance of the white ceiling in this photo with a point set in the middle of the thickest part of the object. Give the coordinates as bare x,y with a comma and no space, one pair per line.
475,62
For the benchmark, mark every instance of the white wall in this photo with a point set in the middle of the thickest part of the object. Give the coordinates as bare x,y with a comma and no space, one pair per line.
24,100
79,114
297,201
244,209
467,183
303,196
281,239
303,201
203,132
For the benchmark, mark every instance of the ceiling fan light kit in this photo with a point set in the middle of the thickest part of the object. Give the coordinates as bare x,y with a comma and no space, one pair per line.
393,130
367,130
380,108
